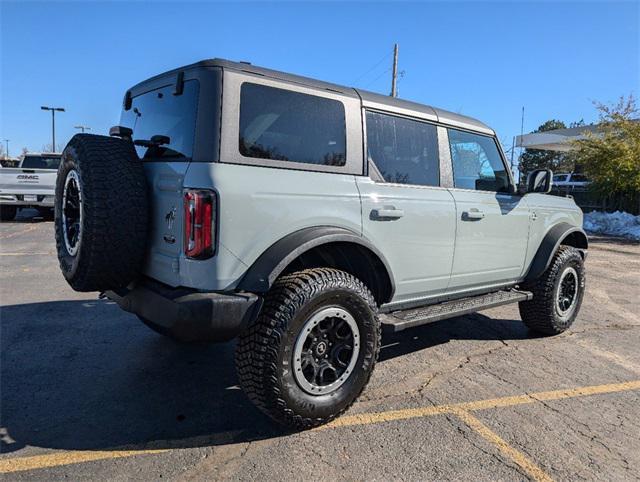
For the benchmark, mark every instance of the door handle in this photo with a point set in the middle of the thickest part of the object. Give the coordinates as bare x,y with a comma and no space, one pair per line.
387,213
472,215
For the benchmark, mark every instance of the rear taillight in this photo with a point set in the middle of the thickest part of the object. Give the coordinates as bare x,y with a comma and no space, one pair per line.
199,224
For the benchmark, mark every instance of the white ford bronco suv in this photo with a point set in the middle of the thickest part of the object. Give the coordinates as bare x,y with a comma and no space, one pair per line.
301,217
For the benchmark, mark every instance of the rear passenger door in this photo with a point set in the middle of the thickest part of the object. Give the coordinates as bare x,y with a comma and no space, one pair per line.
405,212
492,222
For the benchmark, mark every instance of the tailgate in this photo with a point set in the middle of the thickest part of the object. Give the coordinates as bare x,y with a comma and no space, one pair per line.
165,181
28,181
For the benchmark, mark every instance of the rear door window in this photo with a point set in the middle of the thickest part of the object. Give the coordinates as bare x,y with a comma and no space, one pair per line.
477,163
404,151
283,125
160,112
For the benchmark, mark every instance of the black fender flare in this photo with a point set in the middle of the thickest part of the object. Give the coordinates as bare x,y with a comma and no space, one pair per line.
274,260
549,245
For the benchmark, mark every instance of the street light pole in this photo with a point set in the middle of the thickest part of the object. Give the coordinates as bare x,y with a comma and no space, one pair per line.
7,141
83,128
53,124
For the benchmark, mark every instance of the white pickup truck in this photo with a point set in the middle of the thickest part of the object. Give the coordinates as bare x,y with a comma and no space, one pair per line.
32,184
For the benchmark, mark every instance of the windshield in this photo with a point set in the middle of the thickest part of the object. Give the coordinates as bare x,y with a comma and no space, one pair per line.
560,178
40,162
161,113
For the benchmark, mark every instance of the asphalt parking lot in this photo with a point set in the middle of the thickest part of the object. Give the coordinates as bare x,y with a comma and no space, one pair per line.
87,391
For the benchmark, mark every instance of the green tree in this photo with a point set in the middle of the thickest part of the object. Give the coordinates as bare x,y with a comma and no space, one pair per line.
533,159
611,157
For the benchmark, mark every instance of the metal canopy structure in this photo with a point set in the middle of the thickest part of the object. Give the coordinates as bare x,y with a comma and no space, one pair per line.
555,140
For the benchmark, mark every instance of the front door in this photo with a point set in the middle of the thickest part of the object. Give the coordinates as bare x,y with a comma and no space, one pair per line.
405,212
492,223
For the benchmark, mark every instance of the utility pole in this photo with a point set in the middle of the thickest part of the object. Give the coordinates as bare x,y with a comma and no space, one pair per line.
521,134
513,148
394,75
83,128
53,124
7,154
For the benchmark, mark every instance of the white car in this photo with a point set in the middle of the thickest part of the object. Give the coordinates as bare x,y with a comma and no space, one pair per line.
571,179
32,184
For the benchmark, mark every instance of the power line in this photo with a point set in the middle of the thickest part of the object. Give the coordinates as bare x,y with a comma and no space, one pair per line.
378,77
377,64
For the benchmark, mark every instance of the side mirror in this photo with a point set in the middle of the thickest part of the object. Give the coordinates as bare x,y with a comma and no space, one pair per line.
540,181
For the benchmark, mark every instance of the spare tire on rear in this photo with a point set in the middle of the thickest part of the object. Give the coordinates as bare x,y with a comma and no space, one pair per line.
101,213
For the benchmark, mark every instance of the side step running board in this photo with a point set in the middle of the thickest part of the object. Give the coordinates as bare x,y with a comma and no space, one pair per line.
401,320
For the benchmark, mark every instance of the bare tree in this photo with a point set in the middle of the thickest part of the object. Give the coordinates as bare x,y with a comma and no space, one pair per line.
47,148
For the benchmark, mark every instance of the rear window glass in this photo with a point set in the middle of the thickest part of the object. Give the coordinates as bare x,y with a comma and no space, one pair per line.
160,112
41,162
282,125
405,151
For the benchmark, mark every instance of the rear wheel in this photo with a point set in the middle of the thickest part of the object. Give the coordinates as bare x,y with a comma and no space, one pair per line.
8,213
100,213
557,294
313,348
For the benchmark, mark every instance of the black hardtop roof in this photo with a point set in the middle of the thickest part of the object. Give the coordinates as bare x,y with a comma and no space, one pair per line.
442,115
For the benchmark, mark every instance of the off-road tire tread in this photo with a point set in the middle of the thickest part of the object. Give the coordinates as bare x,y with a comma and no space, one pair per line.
115,202
537,313
257,350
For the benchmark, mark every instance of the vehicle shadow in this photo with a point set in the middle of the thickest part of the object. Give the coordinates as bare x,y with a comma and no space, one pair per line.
83,375
475,326
29,215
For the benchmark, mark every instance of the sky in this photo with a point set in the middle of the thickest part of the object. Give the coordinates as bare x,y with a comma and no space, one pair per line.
483,59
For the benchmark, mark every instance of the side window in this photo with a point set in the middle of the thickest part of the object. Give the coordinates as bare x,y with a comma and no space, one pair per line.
404,151
477,163
282,125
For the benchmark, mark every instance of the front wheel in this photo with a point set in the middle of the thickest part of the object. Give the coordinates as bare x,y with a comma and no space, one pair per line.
557,294
312,350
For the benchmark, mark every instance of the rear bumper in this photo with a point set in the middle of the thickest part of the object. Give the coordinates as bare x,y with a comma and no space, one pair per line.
189,315
41,200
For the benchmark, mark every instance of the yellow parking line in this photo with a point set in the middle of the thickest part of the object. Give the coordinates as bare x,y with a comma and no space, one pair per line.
391,415
55,459
20,464
507,450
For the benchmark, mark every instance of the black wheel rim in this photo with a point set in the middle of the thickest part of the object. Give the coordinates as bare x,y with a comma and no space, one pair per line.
72,212
567,291
326,351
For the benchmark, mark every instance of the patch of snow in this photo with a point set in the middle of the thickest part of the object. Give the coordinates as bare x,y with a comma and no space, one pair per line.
613,224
